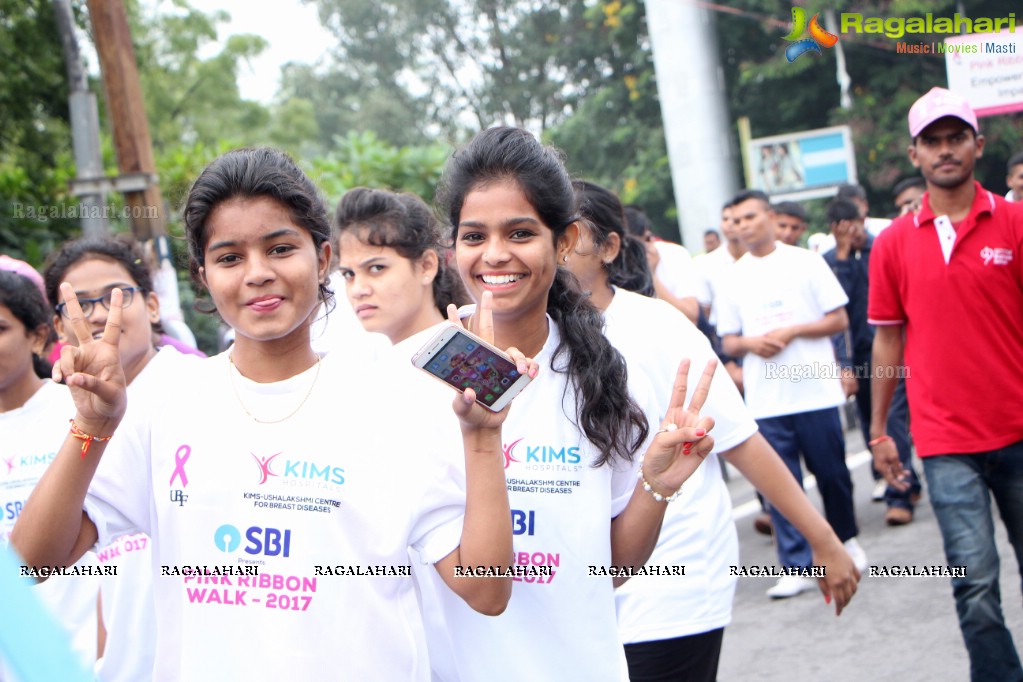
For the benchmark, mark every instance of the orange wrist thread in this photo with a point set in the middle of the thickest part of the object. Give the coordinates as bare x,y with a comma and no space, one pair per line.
87,439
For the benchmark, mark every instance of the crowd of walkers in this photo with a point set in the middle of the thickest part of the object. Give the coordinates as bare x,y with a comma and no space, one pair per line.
305,504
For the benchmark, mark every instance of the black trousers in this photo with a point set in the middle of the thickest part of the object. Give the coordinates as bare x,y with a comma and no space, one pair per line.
683,659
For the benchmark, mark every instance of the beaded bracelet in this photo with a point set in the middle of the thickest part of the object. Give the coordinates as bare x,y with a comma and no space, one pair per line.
86,438
880,439
649,488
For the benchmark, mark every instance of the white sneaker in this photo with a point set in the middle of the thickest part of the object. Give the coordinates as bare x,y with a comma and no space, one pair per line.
859,557
791,585
879,490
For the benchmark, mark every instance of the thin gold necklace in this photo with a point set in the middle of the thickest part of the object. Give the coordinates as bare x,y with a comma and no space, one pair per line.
230,359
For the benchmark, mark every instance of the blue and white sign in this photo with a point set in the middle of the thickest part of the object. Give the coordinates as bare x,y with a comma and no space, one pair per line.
803,165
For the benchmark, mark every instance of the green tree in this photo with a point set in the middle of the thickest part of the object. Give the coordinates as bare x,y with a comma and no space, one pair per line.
189,99
615,135
580,74
363,160
35,148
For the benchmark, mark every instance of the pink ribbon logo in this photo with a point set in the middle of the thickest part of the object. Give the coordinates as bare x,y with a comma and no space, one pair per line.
180,457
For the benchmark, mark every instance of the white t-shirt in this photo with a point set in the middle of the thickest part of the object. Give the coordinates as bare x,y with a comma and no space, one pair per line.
352,479
31,436
675,269
874,226
338,328
698,531
786,287
561,626
127,598
712,271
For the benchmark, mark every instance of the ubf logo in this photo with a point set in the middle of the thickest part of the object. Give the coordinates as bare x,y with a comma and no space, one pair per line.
818,36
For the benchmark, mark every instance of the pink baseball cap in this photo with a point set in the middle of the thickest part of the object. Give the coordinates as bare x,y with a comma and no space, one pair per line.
22,268
939,103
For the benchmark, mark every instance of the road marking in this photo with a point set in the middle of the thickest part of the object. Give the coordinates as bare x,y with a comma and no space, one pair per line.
809,483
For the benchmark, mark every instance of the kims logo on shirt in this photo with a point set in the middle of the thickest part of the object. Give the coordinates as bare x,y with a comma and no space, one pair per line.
540,454
297,468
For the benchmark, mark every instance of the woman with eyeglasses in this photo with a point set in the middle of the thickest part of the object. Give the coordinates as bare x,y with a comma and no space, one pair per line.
95,267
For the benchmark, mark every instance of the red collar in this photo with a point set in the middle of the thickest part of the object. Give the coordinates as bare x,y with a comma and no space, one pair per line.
983,202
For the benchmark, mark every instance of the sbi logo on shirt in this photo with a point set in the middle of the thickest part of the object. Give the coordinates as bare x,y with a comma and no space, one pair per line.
261,541
539,454
523,521
12,510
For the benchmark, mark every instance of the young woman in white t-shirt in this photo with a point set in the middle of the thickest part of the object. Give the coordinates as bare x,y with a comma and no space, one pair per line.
672,627
31,409
393,264
573,440
94,267
281,503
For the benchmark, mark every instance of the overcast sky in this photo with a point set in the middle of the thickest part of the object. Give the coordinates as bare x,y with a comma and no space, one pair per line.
292,29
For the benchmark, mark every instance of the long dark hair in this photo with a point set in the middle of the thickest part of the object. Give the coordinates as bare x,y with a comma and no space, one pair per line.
21,296
122,249
406,224
606,413
604,214
252,173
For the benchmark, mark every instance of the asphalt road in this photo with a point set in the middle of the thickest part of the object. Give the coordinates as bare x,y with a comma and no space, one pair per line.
898,629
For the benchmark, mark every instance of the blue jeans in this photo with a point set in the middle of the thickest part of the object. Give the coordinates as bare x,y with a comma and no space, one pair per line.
960,488
818,436
897,427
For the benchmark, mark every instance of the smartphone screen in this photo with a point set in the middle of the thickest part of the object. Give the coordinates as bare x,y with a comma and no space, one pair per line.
464,363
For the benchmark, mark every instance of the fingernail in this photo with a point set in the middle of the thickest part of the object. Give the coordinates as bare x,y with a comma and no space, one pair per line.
827,599
532,373
701,432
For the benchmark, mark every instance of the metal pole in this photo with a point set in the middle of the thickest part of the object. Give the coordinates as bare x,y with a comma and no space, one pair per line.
84,124
690,85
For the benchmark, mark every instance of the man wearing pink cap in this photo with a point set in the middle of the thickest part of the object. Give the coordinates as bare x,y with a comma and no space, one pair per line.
946,296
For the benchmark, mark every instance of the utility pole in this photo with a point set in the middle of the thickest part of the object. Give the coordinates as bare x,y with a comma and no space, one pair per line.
691,88
84,127
138,179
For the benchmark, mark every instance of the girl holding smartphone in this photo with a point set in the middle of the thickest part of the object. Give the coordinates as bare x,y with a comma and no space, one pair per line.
672,627
282,490
583,499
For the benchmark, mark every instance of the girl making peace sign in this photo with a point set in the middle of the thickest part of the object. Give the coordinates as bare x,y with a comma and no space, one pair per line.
281,489
584,500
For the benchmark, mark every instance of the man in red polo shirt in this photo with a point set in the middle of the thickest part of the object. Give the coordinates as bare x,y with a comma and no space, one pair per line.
946,294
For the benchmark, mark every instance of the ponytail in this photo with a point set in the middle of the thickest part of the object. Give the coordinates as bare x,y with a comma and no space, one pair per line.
631,269
605,410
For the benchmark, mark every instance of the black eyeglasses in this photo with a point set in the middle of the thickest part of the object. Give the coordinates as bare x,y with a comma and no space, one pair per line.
89,304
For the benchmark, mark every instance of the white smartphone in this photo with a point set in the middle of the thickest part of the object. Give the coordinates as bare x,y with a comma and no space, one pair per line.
463,360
